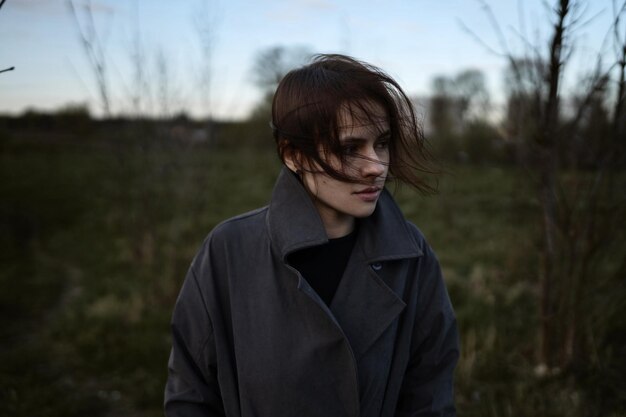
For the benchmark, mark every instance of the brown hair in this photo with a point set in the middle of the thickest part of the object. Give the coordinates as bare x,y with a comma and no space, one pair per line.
306,111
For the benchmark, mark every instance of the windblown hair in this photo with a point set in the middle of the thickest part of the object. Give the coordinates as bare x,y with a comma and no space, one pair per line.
307,109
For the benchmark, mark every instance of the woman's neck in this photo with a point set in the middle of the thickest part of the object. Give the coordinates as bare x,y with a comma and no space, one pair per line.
336,224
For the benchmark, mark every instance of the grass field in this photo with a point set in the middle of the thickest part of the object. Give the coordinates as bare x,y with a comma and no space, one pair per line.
96,239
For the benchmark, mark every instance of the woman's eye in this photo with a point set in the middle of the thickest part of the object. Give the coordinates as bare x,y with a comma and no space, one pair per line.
349,150
382,144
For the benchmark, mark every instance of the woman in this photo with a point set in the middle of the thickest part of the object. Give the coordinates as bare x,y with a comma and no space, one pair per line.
327,302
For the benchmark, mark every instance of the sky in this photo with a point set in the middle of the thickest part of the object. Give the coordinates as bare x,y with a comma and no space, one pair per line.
412,40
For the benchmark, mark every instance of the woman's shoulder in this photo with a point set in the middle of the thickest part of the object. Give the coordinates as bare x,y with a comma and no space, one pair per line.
421,241
243,226
417,235
232,237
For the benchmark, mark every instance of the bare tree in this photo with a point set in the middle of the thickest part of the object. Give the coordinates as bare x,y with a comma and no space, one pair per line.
458,100
140,89
578,209
205,21
271,64
471,90
93,45
167,98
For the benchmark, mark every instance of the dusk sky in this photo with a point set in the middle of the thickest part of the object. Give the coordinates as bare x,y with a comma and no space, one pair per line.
413,40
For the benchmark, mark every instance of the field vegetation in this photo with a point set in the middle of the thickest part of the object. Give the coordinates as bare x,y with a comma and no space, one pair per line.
97,235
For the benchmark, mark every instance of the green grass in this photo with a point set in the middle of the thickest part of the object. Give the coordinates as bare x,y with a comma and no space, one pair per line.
95,246
96,241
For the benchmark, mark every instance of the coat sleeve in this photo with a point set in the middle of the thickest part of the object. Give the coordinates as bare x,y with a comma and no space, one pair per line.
427,387
192,389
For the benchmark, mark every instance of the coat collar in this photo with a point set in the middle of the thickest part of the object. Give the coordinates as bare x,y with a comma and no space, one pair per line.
294,224
366,303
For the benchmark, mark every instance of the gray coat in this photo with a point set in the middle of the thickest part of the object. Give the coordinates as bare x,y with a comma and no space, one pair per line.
252,338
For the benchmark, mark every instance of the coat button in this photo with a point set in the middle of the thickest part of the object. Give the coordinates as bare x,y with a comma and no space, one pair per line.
377,266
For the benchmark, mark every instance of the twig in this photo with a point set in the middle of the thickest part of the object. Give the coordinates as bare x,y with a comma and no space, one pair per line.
94,51
495,26
479,40
11,68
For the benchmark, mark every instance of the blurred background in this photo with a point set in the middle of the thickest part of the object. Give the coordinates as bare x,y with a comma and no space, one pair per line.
128,129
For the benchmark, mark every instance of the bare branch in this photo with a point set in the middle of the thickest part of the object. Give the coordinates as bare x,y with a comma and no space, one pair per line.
619,126
529,45
7,69
514,64
495,25
479,40
617,15
596,83
1,3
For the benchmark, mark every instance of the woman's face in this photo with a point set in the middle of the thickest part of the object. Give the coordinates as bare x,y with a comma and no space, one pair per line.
365,144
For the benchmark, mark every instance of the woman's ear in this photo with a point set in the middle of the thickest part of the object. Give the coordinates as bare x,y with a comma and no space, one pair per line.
291,163
291,157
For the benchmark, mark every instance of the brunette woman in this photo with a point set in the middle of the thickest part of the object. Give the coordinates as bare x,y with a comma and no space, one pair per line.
327,302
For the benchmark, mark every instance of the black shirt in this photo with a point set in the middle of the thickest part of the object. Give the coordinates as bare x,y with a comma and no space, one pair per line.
323,266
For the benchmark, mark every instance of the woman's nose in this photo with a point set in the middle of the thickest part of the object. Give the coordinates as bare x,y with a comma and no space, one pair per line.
373,165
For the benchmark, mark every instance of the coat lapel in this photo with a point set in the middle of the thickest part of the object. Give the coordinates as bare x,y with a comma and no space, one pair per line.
364,305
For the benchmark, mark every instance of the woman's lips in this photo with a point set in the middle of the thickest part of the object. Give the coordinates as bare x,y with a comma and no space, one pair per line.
369,194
